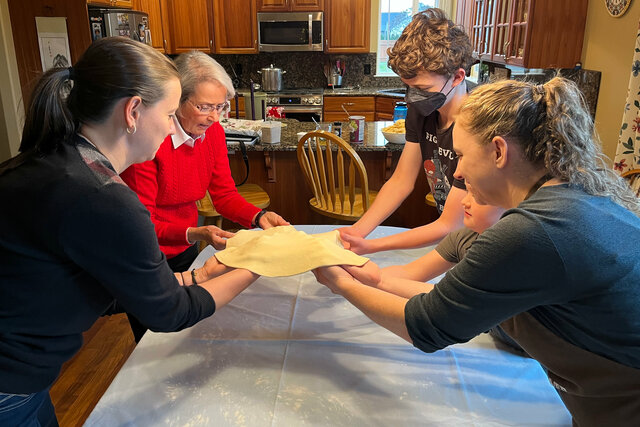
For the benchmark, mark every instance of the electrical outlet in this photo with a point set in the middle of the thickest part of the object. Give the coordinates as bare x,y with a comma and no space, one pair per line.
367,69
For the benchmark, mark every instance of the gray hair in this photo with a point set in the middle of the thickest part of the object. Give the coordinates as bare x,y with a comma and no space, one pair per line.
197,67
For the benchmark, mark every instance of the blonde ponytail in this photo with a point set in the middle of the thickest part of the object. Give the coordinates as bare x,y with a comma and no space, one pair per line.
553,127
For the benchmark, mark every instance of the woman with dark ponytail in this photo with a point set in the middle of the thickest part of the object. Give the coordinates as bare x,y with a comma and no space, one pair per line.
559,272
74,237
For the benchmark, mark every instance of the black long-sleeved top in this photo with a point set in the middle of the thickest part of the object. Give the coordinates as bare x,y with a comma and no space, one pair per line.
74,238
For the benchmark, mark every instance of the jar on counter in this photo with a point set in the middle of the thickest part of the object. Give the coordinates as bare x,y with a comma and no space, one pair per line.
337,128
400,111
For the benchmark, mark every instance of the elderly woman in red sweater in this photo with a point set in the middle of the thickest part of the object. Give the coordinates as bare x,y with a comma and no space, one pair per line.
192,161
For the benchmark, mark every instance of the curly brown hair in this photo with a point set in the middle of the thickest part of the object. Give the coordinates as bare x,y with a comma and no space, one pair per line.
431,42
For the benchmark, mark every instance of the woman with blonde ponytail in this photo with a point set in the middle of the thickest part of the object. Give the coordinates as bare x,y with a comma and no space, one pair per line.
559,272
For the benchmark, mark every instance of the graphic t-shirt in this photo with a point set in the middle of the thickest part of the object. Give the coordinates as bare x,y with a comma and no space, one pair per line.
438,158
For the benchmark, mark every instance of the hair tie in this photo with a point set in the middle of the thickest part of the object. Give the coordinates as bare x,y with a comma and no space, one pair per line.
71,74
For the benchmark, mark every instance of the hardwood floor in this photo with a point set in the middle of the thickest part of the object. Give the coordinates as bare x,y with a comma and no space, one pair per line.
85,378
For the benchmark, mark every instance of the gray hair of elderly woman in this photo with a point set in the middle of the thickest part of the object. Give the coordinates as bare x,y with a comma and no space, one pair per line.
197,67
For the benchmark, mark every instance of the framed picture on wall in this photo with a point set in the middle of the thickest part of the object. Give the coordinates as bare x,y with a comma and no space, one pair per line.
53,41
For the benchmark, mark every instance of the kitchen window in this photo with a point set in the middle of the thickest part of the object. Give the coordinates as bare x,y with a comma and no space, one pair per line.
394,16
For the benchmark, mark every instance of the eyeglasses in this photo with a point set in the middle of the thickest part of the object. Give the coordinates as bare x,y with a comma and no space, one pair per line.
210,108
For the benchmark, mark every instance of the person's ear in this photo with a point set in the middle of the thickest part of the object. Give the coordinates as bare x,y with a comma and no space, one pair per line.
458,77
500,147
132,111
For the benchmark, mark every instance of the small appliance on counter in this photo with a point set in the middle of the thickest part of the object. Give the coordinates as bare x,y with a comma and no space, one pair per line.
119,22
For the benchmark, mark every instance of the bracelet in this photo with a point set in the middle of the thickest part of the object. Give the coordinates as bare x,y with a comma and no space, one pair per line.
256,221
193,277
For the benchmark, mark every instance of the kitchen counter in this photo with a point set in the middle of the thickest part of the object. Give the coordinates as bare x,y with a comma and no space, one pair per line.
275,168
373,138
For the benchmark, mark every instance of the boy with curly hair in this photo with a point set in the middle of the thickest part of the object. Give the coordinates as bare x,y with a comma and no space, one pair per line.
430,57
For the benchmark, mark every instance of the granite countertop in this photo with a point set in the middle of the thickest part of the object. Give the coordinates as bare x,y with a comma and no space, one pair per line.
365,91
373,138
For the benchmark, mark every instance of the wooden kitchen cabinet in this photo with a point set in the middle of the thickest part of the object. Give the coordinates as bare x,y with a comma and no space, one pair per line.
526,33
385,106
235,26
154,10
347,26
290,5
123,4
187,25
355,105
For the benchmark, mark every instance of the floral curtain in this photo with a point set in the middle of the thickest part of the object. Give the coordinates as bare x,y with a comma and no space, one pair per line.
628,150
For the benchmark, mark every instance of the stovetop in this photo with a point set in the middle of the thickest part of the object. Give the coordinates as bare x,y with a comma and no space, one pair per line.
302,91
295,97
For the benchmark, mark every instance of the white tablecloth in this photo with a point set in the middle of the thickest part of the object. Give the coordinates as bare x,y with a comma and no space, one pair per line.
287,352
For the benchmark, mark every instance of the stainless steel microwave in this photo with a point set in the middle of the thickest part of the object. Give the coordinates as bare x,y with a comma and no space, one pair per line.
291,31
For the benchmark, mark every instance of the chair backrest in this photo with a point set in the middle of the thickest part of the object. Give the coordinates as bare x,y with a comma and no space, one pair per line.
324,158
633,177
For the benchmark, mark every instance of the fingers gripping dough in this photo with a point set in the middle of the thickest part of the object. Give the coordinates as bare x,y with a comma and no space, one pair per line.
284,251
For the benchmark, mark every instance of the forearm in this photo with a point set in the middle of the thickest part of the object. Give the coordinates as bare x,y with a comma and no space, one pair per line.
226,287
382,307
415,238
405,288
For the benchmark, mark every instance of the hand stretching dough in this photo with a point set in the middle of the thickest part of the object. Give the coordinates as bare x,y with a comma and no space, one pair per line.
284,251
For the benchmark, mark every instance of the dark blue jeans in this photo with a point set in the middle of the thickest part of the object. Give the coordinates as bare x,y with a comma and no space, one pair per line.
28,410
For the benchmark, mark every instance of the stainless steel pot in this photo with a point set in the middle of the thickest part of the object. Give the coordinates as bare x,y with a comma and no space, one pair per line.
271,79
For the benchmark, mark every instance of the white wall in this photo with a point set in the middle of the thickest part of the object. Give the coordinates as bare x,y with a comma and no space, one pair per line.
11,106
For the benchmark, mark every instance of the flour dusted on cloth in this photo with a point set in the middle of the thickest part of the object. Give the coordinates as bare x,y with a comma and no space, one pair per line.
284,251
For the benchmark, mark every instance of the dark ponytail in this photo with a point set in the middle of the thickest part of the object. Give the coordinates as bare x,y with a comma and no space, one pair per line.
48,120
111,69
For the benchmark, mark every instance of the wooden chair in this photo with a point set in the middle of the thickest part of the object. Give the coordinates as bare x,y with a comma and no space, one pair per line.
633,177
330,165
252,193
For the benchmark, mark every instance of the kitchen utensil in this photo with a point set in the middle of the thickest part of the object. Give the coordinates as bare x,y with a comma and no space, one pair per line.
271,78
345,110
316,122
334,80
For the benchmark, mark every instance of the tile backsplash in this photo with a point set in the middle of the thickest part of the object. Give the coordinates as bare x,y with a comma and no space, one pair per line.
305,69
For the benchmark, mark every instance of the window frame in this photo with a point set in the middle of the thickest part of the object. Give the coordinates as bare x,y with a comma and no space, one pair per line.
446,5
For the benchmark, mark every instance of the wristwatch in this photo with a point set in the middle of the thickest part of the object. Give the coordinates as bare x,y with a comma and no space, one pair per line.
256,221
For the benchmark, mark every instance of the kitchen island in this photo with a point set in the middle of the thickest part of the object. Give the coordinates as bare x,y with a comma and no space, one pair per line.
275,168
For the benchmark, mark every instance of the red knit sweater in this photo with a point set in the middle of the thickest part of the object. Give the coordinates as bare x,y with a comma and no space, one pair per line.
170,184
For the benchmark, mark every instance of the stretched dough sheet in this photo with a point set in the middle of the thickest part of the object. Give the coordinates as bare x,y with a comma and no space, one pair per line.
284,251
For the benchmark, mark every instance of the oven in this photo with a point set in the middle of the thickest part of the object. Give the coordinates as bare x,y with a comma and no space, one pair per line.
304,105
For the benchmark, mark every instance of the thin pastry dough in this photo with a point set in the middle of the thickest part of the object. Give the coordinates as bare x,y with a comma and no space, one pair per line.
284,251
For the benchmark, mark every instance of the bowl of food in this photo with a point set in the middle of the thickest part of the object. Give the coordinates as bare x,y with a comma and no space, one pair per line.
395,133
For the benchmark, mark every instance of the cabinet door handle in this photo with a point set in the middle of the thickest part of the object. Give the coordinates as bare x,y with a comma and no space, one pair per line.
164,43
349,103
211,44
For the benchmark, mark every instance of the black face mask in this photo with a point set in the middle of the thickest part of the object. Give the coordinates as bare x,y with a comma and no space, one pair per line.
426,102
